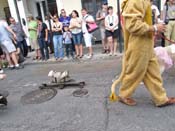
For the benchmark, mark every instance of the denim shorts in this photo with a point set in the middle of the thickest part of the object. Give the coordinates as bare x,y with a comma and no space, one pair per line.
77,38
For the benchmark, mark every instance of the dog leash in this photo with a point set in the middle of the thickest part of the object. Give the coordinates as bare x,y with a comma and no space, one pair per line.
165,38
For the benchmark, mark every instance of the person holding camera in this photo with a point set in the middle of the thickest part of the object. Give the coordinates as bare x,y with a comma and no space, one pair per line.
169,20
111,26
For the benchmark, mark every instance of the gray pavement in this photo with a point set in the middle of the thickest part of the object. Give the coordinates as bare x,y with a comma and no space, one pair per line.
93,112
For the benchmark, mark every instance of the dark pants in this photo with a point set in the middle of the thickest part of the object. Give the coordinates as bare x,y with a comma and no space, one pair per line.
69,49
43,48
50,42
23,47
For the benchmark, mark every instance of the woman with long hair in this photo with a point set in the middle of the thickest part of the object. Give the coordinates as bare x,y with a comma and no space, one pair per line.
75,27
57,39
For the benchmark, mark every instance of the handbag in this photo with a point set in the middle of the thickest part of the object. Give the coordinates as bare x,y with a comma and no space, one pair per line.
91,27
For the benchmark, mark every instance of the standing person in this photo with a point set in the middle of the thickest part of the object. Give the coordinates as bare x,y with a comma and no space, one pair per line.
57,38
1,53
64,19
49,23
87,36
2,75
169,18
100,16
139,61
8,46
155,12
32,27
20,36
43,38
76,29
111,26
67,36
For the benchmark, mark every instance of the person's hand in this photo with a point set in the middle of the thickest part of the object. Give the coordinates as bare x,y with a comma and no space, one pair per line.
161,27
112,30
102,17
46,39
14,36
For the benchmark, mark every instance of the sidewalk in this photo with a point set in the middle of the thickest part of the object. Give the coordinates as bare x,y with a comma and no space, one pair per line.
97,49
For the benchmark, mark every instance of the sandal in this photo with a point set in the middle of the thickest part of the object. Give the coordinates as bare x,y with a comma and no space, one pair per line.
128,101
35,58
170,101
81,56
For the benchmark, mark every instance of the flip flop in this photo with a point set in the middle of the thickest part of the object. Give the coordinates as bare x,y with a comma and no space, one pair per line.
128,101
170,101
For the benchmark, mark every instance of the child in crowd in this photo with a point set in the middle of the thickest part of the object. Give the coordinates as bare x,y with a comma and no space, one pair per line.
67,40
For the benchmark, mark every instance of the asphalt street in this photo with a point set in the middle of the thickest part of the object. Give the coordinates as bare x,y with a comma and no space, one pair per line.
92,112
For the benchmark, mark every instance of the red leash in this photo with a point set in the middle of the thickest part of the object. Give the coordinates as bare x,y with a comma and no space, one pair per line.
165,38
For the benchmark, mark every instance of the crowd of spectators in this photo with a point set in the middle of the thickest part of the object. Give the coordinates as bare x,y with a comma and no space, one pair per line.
64,34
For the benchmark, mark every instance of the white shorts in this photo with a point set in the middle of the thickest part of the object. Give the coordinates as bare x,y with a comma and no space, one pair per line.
88,39
7,46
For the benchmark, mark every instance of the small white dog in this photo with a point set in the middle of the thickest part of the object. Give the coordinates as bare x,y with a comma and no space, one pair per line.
166,57
58,76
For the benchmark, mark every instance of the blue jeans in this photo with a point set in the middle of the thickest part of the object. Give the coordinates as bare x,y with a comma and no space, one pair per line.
43,48
77,38
23,47
58,46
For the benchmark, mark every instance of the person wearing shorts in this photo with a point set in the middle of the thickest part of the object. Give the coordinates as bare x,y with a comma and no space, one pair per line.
87,36
32,26
100,17
75,27
7,44
111,26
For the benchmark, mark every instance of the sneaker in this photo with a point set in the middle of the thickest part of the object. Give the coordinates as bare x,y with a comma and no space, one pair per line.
19,67
89,56
11,67
110,54
66,58
115,54
1,71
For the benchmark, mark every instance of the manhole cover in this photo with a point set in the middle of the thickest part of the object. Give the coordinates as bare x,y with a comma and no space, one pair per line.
80,92
38,96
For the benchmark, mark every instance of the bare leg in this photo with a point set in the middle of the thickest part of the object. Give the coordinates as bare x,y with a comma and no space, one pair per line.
9,59
14,59
110,44
90,51
77,50
81,49
115,46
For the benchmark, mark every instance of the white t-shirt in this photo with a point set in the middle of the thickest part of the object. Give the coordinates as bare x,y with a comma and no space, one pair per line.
111,21
86,18
77,22
47,23
154,7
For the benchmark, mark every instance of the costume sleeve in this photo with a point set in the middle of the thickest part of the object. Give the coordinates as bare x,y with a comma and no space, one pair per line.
134,17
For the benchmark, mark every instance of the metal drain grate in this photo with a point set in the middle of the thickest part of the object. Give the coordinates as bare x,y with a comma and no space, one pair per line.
38,96
80,92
